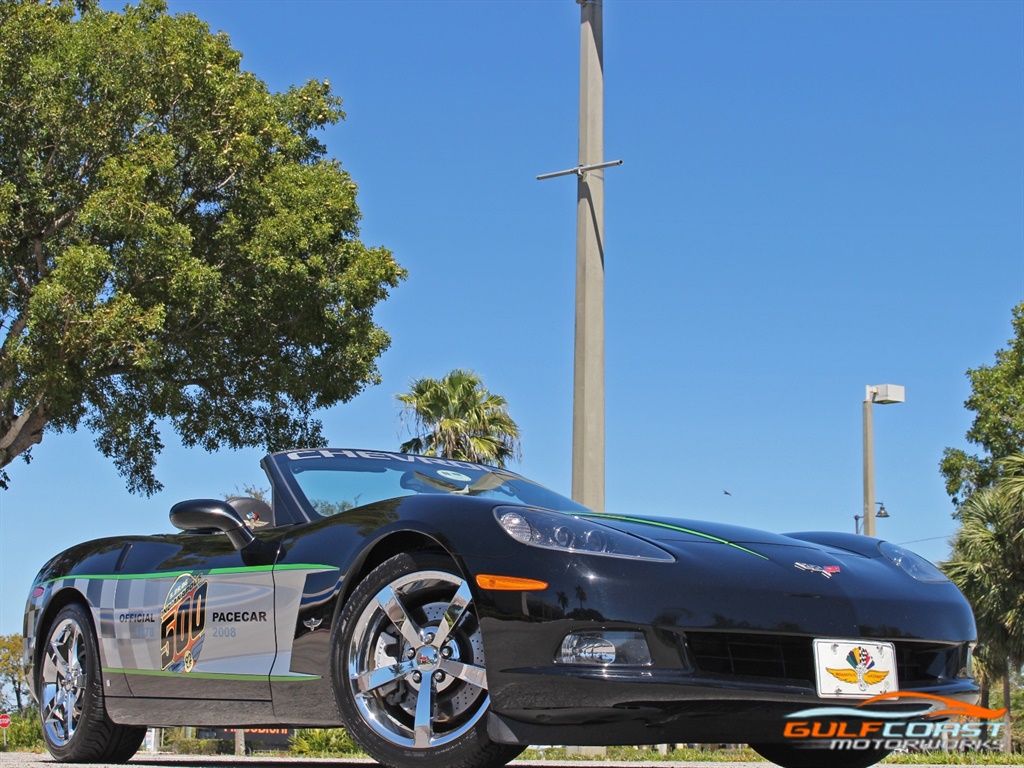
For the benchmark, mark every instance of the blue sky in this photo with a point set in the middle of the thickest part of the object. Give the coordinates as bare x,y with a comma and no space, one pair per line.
816,196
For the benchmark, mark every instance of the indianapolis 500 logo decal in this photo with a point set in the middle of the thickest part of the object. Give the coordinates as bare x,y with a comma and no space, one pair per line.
183,623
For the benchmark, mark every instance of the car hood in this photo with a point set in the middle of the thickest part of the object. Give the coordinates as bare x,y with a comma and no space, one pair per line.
666,529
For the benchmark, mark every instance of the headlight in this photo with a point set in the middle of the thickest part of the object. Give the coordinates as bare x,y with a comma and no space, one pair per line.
550,530
911,563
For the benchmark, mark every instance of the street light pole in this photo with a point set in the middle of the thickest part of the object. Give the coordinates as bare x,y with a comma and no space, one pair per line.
882,394
869,465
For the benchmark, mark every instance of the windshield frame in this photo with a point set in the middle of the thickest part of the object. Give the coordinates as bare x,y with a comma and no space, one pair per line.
427,478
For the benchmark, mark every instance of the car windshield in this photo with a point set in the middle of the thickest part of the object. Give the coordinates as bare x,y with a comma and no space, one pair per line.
335,480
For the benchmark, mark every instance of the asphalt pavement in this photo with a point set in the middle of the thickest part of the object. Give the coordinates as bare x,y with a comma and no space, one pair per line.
36,760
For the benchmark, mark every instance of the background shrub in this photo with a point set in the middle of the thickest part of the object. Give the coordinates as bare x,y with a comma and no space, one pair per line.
323,742
25,733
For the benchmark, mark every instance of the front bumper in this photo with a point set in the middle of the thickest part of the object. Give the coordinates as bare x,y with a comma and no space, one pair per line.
641,707
731,653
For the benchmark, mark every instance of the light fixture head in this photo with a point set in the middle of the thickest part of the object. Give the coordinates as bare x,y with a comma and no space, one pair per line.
883,394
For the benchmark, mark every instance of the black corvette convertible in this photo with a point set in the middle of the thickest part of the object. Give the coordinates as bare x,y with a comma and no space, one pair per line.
448,613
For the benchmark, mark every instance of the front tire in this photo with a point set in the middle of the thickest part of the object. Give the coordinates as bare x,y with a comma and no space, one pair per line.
409,669
75,723
791,756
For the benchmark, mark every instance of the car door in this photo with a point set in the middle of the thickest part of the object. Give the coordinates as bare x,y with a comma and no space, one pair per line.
192,620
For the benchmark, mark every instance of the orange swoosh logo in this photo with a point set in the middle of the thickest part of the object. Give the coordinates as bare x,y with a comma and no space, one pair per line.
953,708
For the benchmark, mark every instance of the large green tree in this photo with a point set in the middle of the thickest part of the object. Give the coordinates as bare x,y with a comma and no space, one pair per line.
13,681
997,400
174,243
456,417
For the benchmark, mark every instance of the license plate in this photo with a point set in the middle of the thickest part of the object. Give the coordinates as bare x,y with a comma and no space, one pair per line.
854,669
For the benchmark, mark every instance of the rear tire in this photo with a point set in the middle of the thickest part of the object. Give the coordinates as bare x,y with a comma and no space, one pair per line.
75,723
791,756
409,670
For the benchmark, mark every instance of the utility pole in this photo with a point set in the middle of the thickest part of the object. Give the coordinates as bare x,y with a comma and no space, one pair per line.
588,439
588,395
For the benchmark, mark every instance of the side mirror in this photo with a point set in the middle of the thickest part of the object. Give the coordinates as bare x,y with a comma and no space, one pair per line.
209,515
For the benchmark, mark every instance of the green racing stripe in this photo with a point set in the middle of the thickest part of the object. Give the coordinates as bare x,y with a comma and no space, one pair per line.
671,527
298,678
176,574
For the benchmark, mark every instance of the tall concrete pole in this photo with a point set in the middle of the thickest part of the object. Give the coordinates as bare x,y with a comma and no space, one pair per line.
869,464
588,387
882,394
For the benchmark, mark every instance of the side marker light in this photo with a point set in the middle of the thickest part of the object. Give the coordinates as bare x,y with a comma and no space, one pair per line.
509,583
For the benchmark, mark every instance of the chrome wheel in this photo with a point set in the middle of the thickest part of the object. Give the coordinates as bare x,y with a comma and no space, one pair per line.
415,662
64,680
71,706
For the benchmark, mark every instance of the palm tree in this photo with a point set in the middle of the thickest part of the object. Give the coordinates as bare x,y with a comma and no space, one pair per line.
581,595
455,417
987,564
